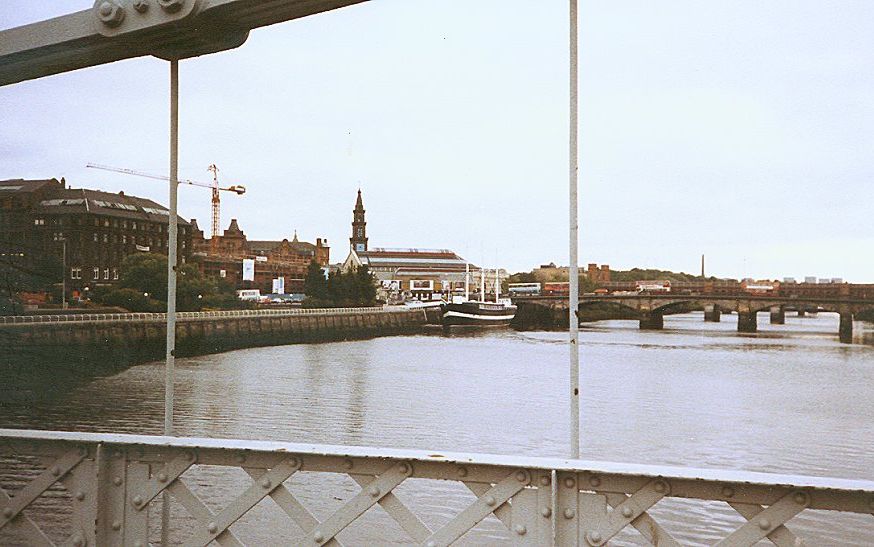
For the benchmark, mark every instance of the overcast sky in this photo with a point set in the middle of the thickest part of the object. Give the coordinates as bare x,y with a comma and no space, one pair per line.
739,129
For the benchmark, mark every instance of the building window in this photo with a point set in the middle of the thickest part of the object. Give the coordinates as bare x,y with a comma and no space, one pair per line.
106,273
106,238
115,274
124,224
223,273
96,273
106,223
75,273
133,225
39,222
95,237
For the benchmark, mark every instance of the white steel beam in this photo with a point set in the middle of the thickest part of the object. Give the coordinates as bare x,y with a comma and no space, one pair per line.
121,29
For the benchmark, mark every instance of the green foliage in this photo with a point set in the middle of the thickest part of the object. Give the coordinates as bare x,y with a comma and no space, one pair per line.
142,286
355,288
649,274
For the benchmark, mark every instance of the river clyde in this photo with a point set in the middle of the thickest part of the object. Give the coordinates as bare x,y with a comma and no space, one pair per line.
789,399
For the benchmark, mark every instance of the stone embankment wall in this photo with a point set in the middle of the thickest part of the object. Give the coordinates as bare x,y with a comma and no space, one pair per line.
531,316
118,340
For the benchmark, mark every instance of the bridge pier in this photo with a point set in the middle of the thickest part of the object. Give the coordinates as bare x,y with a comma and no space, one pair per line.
746,321
778,315
845,331
712,313
651,320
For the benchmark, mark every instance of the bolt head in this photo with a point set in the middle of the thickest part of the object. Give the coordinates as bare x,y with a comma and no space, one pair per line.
116,481
627,512
569,513
727,491
545,512
80,495
521,476
519,529
764,524
318,537
116,525
404,468
801,498
661,487
212,528
544,480
110,12
56,470
171,6
138,500
462,471
265,483
141,5
595,481
570,482
594,537
7,512
490,501
374,491
162,477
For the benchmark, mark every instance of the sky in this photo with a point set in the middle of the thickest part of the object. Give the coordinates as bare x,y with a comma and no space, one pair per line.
742,130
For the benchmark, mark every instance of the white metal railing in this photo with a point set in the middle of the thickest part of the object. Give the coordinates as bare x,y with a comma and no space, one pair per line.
148,317
110,482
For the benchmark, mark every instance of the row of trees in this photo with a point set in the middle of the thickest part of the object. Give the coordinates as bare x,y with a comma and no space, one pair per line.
142,287
340,290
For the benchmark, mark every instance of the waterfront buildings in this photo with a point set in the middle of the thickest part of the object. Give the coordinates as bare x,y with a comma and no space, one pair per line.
223,257
421,273
51,233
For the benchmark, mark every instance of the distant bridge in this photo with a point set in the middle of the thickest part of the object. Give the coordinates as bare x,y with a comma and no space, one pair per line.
651,308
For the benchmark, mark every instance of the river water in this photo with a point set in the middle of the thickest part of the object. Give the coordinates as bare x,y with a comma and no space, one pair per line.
789,399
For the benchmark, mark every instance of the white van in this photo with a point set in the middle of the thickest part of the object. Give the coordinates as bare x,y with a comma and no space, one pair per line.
249,294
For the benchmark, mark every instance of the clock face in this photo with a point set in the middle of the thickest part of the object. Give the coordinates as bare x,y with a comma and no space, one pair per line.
359,246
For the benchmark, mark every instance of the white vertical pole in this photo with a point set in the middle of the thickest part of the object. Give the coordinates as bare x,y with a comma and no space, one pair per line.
574,303
466,281
64,276
171,280
482,284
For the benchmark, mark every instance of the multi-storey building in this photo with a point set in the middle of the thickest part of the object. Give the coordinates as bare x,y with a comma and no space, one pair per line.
47,228
223,256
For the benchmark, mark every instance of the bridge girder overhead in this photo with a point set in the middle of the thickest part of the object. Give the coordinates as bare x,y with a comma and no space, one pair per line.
121,29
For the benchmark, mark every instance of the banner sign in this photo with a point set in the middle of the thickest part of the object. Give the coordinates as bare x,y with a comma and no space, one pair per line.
248,269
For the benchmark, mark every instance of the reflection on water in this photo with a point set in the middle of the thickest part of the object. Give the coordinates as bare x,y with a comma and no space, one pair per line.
788,399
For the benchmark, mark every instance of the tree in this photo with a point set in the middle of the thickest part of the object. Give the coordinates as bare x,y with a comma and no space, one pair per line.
142,285
315,285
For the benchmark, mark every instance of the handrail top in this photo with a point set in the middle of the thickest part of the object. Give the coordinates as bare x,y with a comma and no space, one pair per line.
529,462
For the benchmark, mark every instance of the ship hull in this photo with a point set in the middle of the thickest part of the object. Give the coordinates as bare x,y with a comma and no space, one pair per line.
477,314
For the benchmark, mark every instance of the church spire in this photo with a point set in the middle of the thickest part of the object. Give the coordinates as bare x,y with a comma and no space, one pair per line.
359,226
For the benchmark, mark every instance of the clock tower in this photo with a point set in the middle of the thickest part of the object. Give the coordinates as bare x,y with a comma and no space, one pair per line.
359,231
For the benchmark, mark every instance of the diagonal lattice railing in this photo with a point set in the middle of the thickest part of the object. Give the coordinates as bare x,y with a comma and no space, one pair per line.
113,481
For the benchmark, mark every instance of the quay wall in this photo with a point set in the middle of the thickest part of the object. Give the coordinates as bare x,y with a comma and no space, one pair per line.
118,340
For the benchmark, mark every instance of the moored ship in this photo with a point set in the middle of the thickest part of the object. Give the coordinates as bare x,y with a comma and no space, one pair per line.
478,313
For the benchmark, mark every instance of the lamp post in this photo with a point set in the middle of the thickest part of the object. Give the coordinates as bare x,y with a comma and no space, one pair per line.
63,273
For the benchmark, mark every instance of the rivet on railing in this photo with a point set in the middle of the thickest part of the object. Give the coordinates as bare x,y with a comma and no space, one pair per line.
569,513
348,464
374,491
521,476
544,480
727,491
137,501
545,512
212,528
764,524
801,498
627,512
318,537
489,500
116,525
162,477
570,482
404,467
462,471
7,512
55,470
594,537
241,458
661,487
519,529
431,543
594,481
79,541
116,481
80,495
266,483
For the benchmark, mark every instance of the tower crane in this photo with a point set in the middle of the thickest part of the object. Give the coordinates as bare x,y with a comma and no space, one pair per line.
216,203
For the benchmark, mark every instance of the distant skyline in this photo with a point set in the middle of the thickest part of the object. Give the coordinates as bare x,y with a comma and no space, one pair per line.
741,130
